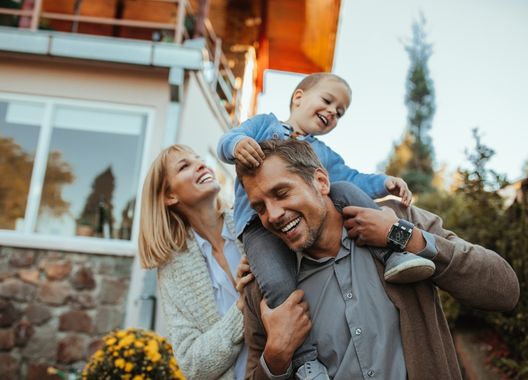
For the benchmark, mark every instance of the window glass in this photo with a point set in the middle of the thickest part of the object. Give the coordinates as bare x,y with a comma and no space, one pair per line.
92,172
19,132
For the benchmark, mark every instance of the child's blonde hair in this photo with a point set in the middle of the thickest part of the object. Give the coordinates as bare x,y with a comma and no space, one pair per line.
162,230
313,79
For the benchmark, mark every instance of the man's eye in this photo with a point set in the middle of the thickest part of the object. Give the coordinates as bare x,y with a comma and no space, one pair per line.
282,194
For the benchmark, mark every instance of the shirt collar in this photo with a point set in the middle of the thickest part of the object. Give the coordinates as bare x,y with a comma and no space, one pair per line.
346,243
204,244
289,131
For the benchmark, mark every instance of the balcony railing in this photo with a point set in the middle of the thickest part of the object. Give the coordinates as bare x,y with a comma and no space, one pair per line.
168,21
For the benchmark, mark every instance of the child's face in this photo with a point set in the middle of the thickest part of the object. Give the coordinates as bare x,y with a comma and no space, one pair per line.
316,111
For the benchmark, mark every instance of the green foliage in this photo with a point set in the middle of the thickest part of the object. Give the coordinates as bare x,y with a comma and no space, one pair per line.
412,158
476,213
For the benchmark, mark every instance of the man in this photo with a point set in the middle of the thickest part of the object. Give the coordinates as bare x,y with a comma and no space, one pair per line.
364,327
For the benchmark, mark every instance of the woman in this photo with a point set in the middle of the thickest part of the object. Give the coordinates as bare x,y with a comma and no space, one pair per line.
190,239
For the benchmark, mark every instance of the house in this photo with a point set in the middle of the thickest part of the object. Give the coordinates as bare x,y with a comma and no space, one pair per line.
90,92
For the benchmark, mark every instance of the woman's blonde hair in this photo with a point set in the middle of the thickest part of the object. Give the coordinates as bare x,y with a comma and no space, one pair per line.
162,230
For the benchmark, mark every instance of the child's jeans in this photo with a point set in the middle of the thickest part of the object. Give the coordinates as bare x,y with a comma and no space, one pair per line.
275,265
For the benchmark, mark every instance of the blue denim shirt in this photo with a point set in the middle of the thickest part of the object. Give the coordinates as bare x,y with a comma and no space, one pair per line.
266,127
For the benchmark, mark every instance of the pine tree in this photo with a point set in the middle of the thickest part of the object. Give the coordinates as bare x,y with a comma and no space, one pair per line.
417,170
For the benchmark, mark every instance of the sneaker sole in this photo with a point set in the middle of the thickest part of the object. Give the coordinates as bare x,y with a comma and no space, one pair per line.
412,271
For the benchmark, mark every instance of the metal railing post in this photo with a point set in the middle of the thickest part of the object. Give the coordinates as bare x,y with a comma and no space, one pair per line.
180,22
217,59
35,17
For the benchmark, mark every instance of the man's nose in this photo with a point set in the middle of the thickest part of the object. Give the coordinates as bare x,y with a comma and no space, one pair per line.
275,212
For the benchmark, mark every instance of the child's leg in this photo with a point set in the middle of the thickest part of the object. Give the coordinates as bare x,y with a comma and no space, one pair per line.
275,268
400,267
272,263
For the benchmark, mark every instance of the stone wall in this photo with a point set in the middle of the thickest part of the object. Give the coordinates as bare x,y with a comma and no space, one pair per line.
55,307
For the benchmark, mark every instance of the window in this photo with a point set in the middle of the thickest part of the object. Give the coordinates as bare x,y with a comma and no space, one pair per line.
70,168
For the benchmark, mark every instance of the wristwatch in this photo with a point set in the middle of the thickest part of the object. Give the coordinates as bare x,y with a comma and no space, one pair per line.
399,235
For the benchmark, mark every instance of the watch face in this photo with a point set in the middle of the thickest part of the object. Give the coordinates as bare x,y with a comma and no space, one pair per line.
400,236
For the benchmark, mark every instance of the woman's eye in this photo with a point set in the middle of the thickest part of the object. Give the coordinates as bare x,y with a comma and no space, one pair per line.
326,101
182,167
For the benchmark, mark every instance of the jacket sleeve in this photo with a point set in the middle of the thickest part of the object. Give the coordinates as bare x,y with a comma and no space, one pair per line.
227,143
372,184
200,354
475,276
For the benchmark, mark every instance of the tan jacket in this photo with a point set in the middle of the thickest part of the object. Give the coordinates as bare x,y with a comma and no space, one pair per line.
475,276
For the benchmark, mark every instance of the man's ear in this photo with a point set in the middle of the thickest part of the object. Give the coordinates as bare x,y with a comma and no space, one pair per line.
322,181
297,97
170,200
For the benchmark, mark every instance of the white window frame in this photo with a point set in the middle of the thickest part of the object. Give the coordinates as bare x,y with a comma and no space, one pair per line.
94,245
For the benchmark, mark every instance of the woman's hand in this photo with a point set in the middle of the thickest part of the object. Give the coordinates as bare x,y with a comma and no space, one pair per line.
243,277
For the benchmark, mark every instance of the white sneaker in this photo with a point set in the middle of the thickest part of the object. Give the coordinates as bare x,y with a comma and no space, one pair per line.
312,370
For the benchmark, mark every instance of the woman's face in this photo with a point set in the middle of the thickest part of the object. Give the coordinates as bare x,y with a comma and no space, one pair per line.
190,180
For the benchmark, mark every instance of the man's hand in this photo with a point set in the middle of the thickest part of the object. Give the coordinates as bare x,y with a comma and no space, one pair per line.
286,328
397,186
368,226
248,152
371,227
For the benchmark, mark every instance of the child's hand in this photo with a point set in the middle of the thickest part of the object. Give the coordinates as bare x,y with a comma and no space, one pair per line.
248,152
397,186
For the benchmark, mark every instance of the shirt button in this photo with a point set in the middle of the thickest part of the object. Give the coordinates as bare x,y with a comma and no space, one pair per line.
275,136
370,373
349,295
358,331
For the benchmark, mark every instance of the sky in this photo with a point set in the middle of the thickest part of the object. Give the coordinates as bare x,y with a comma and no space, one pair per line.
479,68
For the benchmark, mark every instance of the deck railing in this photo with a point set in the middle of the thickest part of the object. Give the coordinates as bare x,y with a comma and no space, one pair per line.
31,15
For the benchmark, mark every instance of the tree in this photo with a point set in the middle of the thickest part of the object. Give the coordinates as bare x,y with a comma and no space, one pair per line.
15,169
98,208
417,170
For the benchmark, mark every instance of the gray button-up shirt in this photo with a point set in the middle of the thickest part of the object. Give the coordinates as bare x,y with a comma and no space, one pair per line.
355,325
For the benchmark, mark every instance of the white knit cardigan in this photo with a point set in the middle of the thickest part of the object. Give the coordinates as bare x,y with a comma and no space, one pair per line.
205,345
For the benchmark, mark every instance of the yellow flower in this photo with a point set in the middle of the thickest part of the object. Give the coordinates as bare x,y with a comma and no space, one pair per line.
119,363
121,333
111,341
138,377
129,366
138,344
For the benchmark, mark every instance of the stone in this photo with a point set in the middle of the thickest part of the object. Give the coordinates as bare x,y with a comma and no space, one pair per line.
112,290
123,267
23,332
43,345
39,371
13,288
83,279
5,274
8,313
54,293
22,258
94,346
107,319
71,349
37,313
7,339
76,320
31,276
83,301
104,265
58,270
9,367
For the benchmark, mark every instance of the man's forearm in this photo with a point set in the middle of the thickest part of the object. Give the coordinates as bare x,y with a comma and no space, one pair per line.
277,359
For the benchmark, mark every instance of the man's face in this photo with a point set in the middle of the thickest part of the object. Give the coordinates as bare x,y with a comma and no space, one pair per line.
286,205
